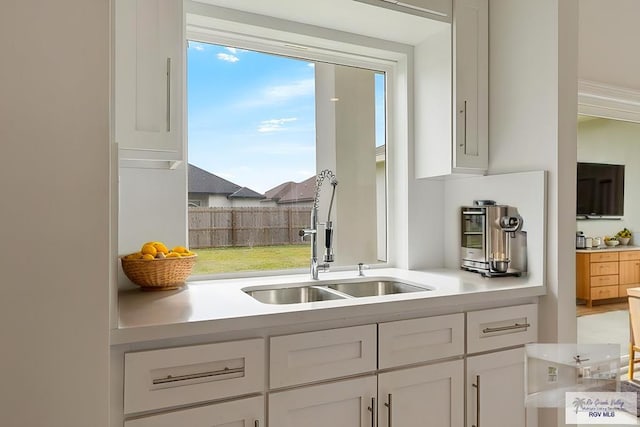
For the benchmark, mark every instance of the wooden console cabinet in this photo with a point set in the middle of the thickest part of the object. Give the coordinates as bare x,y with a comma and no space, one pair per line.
606,274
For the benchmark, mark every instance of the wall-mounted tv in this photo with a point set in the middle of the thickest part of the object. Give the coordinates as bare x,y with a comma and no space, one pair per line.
600,192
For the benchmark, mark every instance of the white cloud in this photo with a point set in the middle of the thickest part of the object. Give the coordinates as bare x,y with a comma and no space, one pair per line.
274,125
227,57
197,47
232,50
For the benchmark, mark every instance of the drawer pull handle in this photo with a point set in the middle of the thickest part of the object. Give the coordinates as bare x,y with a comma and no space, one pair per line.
506,328
171,378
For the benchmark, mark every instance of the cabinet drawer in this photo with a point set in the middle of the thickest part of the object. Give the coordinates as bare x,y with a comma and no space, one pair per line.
184,375
604,256
629,255
604,292
243,412
420,340
321,355
611,279
501,327
604,268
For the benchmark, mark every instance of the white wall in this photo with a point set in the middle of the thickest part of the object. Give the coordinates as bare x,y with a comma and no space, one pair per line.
532,125
616,142
54,254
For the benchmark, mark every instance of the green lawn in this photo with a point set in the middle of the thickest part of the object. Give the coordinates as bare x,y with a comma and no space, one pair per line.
229,260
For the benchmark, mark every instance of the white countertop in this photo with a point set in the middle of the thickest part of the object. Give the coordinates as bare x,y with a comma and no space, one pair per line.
603,248
216,306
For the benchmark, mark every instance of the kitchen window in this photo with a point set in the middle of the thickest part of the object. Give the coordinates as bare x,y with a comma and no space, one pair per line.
261,124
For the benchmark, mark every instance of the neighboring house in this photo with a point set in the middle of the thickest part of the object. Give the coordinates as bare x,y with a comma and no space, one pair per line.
302,193
292,193
208,190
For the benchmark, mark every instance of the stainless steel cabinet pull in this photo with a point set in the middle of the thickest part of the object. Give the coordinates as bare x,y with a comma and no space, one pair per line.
477,387
388,405
506,328
173,379
465,126
168,94
256,423
463,143
372,409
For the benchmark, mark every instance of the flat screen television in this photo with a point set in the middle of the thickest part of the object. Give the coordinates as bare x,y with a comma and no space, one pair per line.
600,192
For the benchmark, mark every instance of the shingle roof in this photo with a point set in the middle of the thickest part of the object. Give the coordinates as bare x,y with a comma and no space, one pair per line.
245,193
292,192
201,181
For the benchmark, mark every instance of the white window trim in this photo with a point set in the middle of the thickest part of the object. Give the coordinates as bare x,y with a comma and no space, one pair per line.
212,24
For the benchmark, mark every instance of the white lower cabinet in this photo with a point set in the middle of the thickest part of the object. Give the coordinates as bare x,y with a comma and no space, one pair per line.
435,393
495,389
403,373
348,403
400,398
238,413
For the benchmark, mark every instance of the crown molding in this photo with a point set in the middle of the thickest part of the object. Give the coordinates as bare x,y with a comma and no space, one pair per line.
608,101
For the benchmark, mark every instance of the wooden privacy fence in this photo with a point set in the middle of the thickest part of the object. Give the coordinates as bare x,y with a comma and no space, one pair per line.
220,227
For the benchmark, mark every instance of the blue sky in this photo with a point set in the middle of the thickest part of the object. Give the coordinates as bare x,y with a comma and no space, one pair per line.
251,116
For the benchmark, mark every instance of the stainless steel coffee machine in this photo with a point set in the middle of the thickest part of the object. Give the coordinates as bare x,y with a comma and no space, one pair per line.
492,241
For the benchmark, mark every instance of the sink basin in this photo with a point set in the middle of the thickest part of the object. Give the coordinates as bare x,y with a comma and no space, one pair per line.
375,288
293,295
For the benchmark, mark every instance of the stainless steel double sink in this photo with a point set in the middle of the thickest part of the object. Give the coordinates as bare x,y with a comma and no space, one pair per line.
292,294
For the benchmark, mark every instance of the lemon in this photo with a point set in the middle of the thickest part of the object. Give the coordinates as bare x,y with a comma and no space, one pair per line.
149,250
180,249
160,247
148,256
173,255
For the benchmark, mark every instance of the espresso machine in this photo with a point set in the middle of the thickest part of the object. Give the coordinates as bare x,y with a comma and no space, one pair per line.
492,241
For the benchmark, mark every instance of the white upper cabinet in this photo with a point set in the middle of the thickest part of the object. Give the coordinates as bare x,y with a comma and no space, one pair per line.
452,95
471,89
149,79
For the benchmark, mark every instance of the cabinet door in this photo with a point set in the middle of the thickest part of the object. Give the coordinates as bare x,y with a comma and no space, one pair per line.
238,413
471,84
629,272
411,396
495,389
348,403
149,74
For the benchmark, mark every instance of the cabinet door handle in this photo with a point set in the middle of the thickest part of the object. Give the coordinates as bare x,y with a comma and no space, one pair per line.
168,94
388,405
256,423
477,387
465,126
372,409
464,141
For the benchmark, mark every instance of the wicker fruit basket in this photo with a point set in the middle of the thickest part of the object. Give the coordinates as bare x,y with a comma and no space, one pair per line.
158,274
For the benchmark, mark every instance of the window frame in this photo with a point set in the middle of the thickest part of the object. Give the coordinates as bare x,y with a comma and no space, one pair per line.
394,62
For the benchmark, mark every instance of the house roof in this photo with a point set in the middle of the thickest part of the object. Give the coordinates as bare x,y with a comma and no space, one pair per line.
293,192
202,181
